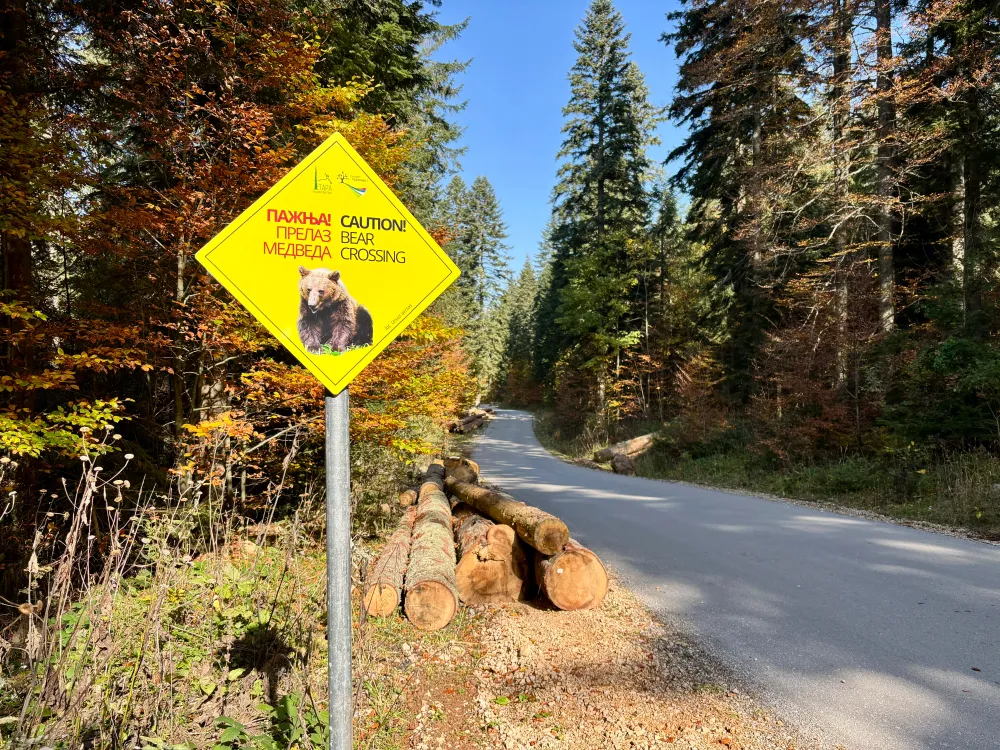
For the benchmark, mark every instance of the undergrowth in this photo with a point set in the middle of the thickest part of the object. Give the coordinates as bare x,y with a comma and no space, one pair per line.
169,621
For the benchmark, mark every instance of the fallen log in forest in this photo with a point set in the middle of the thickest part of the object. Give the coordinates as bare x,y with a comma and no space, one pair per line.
385,579
431,596
573,579
492,565
539,529
630,448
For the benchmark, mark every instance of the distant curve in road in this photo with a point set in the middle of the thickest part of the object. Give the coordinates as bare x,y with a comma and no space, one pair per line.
863,633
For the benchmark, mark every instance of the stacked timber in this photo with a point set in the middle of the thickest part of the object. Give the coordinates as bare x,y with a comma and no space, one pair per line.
538,529
384,585
570,575
461,469
431,597
473,420
492,566
501,543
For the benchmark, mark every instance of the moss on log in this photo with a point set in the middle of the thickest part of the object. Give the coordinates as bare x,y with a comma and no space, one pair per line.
431,598
384,584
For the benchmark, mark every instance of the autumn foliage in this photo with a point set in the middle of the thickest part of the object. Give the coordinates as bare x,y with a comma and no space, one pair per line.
119,160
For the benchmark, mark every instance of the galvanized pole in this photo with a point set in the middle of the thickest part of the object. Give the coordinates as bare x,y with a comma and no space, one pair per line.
338,568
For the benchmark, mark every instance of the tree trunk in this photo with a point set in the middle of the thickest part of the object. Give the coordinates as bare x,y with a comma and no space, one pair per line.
539,529
840,112
492,565
573,579
384,585
972,174
883,161
630,448
18,272
431,596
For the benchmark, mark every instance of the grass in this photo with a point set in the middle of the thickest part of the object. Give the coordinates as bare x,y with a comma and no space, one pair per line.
956,490
143,631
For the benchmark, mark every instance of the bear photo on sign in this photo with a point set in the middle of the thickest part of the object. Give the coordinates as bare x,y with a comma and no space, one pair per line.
330,320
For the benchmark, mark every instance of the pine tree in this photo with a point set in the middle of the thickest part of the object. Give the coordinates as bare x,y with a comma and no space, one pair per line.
516,383
484,251
955,55
600,204
455,305
478,248
739,93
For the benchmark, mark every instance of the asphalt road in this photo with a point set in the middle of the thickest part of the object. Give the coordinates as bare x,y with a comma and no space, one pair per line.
862,633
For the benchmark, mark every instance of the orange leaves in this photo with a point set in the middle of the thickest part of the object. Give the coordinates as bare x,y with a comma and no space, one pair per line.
423,374
225,426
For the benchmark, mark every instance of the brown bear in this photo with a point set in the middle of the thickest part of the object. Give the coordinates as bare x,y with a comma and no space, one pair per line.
328,315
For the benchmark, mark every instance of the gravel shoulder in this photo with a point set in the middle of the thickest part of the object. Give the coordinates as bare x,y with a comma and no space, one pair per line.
612,678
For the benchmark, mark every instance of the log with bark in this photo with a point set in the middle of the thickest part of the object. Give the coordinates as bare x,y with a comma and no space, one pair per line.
473,424
539,529
631,448
573,579
384,584
431,598
462,469
492,566
433,478
472,416
622,464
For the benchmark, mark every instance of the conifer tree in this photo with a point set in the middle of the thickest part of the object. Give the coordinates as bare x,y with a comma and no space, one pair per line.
479,250
515,382
600,204
738,92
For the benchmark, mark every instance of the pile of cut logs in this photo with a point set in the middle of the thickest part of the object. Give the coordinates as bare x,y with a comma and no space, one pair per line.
507,551
473,420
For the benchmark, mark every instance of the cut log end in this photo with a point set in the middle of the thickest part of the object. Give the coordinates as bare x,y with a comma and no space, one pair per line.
381,600
488,581
407,498
502,535
430,605
549,535
574,579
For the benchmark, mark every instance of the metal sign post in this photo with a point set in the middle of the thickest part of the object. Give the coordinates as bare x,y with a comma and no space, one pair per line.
338,568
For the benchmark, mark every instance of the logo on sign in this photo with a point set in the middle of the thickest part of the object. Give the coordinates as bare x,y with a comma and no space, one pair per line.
356,178
321,184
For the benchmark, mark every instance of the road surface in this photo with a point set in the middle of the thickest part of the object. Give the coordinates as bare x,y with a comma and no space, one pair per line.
862,633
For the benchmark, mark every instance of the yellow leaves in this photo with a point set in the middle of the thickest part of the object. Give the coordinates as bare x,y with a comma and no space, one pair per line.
225,425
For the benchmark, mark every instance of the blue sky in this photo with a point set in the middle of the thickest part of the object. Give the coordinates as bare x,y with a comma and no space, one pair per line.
516,87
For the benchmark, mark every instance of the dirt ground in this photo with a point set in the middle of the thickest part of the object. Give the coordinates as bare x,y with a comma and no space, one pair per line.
528,676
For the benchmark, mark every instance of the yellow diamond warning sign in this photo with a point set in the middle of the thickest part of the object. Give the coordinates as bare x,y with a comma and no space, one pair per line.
331,263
